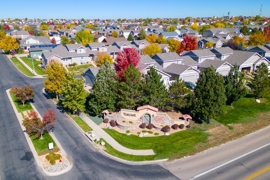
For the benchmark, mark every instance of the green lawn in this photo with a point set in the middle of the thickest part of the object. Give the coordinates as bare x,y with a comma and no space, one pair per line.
36,63
81,123
41,145
21,67
173,146
20,107
79,68
244,110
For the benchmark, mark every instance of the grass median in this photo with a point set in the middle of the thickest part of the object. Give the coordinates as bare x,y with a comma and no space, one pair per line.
31,62
20,107
21,67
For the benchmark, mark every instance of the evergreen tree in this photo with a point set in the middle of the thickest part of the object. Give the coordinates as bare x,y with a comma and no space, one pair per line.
155,93
73,93
234,85
260,81
179,94
209,95
129,91
130,38
103,92
142,34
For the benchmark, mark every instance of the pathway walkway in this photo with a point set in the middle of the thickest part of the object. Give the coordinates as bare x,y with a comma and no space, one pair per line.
99,132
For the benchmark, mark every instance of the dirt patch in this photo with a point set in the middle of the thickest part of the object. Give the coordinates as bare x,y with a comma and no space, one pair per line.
174,115
46,163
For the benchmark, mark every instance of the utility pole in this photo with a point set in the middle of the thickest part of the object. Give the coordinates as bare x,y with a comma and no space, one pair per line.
261,9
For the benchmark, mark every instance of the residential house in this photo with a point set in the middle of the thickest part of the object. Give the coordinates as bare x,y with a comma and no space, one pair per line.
262,50
217,43
222,53
123,44
170,35
90,75
140,44
222,67
247,61
69,54
36,51
166,59
200,55
184,72
33,40
99,38
164,48
20,34
214,32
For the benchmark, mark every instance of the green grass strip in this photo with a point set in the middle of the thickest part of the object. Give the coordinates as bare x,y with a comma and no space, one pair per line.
21,67
20,107
31,62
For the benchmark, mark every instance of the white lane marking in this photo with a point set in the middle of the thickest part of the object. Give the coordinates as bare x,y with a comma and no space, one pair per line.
199,175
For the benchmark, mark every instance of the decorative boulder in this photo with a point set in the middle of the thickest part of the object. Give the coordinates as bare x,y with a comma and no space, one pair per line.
106,120
113,123
166,128
181,126
187,126
175,126
150,126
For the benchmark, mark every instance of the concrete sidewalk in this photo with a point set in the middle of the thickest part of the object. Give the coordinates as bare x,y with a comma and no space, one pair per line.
102,134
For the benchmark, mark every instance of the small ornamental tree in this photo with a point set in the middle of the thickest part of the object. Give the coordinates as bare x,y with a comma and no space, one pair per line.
151,50
24,93
33,124
130,38
189,43
115,34
53,41
125,58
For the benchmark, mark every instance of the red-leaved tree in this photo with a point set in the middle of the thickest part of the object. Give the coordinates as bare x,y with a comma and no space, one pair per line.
6,27
124,59
266,32
189,43
24,93
53,41
35,125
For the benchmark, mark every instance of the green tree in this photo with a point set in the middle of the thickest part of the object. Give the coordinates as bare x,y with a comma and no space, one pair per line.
155,93
64,40
103,95
56,75
209,95
129,92
234,85
84,37
130,38
142,34
260,82
179,95
245,30
73,93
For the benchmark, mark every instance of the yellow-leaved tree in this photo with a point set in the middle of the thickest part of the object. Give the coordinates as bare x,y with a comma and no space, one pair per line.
209,44
102,57
173,44
161,39
7,43
56,76
194,26
151,49
257,39
115,34
152,38
44,27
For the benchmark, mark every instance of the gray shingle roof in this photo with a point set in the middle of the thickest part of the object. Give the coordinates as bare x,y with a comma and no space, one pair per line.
176,69
262,48
168,56
208,62
95,45
146,59
222,50
138,42
202,53
188,61
239,57
73,46
112,49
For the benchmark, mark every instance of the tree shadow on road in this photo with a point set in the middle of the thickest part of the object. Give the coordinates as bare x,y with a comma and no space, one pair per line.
28,156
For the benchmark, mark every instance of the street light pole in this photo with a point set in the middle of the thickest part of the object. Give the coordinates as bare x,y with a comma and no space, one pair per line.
33,65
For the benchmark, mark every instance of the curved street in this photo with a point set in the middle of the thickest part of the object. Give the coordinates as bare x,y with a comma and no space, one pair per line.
16,160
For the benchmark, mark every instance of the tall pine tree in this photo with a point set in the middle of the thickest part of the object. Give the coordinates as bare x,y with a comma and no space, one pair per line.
179,95
260,81
142,34
103,92
129,91
234,85
209,95
155,93
130,38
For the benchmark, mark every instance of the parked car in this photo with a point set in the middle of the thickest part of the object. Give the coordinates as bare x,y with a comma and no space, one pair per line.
190,85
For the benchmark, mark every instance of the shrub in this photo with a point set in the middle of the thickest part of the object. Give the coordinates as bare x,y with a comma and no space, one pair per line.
156,134
187,126
175,126
144,131
127,131
138,133
181,126
150,132
75,64
13,90
130,122
150,126
113,123
123,121
52,157
106,120
166,128
143,125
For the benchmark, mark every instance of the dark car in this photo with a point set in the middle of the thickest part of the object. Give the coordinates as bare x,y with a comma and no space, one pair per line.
190,85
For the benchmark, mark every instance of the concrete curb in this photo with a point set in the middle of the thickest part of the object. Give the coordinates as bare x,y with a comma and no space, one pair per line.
31,144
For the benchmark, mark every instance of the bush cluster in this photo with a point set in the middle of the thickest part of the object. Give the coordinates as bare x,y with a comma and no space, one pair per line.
181,126
143,125
52,157
106,120
113,123
150,126
175,126
166,128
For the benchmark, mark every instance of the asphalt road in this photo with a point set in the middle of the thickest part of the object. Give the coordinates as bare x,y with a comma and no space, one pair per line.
242,168
17,162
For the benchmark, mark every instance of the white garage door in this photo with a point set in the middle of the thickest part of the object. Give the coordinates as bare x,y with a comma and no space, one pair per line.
224,72
192,79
